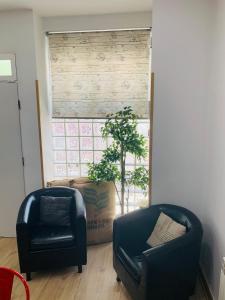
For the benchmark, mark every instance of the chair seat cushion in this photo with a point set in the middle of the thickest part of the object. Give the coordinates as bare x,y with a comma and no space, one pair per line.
132,263
48,237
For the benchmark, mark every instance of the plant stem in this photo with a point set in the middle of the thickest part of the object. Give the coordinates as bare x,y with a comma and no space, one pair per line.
128,195
117,192
122,165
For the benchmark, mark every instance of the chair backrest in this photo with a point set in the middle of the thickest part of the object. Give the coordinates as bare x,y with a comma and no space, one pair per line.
182,216
6,283
35,197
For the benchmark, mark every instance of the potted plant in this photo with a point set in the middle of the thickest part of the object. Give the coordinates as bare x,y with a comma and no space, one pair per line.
122,127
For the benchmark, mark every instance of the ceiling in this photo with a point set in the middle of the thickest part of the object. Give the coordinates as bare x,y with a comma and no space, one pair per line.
78,7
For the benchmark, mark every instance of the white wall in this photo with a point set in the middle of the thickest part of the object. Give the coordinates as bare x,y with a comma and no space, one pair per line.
17,36
182,59
214,202
180,62
189,123
98,22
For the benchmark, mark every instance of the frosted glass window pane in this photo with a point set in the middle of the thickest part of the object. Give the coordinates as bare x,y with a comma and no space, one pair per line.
73,170
130,168
141,162
140,197
143,129
72,143
86,143
73,157
71,129
58,143
109,141
97,129
5,67
100,143
131,189
138,190
58,129
84,170
60,170
130,159
131,198
59,156
97,156
86,156
118,186
85,129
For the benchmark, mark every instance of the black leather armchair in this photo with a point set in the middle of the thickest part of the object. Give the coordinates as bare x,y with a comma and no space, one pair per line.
165,272
42,247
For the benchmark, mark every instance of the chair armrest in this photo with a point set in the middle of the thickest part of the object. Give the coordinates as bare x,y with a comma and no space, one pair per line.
23,223
80,223
132,230
179,256
166,249
80,206
193,237
25,209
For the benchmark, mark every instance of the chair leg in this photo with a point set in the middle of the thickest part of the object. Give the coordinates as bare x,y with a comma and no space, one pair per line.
118,279
28,276
79,268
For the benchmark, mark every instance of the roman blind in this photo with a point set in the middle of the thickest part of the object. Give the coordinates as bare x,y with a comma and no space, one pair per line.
96,73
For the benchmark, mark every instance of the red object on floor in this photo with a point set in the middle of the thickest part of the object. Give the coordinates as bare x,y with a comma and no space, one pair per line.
6,283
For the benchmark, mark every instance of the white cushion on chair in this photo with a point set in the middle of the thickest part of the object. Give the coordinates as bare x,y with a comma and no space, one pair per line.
165,230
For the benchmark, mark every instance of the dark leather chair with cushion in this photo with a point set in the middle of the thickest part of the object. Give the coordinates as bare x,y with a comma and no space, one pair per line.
165,272
51,230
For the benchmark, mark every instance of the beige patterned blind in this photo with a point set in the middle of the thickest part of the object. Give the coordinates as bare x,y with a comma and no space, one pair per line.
95,73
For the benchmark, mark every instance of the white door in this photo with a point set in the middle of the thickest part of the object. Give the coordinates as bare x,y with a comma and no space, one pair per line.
11,166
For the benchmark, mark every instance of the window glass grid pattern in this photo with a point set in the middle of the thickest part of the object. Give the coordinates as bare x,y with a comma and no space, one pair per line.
77,142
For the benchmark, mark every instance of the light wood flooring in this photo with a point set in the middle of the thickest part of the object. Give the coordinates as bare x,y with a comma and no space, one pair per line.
97,282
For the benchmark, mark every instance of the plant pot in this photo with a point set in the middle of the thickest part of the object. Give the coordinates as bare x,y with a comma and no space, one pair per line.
100,206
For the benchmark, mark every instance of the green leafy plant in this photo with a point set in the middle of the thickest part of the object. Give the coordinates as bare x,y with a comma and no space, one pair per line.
122,127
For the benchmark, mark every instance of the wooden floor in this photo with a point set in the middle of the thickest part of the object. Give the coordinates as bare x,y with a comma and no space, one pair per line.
97,282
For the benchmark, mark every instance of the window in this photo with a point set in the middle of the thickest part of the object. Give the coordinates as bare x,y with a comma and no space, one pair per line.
77,142
93,74
7,67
